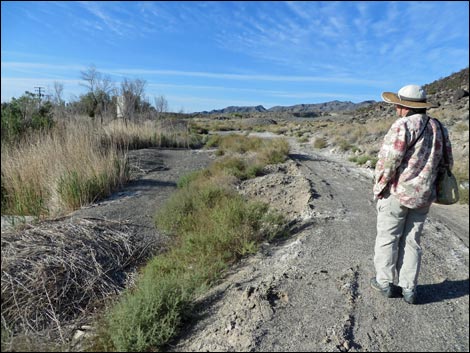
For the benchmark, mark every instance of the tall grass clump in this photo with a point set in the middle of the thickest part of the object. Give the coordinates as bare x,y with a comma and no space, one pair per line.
160,133
55,172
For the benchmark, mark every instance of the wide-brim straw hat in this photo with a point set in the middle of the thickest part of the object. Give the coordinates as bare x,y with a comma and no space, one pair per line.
410,96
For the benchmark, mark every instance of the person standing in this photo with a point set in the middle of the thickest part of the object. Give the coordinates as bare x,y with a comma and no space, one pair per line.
405,176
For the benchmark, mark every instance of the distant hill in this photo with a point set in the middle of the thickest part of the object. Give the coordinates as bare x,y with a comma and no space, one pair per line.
333,106
235,109
299,109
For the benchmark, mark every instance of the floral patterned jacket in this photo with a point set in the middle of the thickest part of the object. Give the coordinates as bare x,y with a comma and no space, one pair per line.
410,173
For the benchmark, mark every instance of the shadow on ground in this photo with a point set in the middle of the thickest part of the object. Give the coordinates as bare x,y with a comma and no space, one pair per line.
431,293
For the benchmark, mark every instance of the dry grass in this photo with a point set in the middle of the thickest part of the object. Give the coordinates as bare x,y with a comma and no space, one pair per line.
42,173
49,174
161,133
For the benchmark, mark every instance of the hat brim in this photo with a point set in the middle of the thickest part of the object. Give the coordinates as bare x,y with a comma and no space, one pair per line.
393,98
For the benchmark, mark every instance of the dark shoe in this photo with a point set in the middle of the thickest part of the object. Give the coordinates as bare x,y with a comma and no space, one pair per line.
386,291
410,296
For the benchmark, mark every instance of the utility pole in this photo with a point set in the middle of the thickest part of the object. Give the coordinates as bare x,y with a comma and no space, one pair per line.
38,89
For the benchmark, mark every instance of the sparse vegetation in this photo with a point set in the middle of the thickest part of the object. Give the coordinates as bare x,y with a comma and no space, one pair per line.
212,226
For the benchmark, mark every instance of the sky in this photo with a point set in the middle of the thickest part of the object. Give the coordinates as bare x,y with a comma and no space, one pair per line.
210,55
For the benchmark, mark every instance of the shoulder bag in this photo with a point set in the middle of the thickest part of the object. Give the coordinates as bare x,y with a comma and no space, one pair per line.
446,184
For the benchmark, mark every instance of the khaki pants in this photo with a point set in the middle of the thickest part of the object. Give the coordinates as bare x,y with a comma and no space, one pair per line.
397,249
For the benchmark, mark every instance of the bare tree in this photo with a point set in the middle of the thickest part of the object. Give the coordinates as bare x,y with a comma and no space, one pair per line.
58,91
132,92
57,100
161,105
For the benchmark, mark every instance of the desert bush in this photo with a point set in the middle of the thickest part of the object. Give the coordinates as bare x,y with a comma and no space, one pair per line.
343,144
213,141
360,160
240,144
320,143
273,151
237,167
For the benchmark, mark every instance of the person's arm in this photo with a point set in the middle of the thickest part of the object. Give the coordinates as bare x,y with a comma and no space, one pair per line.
390,156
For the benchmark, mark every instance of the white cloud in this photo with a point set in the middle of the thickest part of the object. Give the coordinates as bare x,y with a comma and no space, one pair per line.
13,65
248,77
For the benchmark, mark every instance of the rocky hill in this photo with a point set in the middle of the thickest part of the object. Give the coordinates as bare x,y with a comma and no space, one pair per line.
450,94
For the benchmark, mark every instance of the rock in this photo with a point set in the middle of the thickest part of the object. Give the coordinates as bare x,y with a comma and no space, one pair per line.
459,94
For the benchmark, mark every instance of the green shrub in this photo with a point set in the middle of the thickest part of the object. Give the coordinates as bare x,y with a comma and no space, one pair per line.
24,114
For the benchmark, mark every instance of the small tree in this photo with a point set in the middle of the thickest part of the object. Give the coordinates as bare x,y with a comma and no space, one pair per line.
99,90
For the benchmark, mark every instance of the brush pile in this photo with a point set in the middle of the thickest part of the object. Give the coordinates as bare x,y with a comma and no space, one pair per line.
54,271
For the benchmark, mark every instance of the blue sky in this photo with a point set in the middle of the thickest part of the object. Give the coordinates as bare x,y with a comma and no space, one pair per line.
210,55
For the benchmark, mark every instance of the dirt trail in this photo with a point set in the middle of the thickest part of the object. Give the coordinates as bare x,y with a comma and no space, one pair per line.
155,174
312,293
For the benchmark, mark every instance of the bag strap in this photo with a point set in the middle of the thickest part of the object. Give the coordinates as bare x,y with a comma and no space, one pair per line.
444,145
420,134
